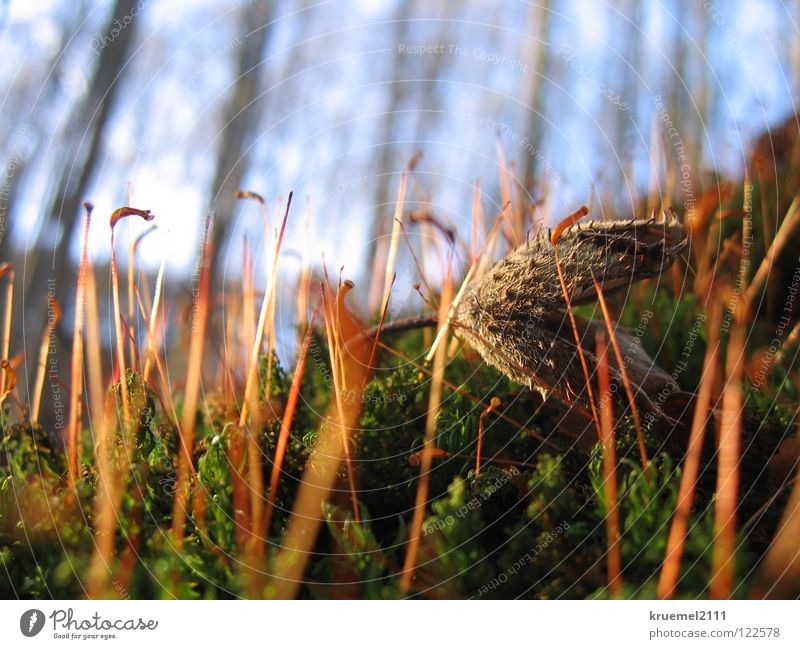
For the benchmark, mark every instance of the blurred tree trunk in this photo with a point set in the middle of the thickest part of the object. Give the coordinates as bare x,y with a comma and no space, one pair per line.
623,86
678,99
386,163
532,93
240,121
82,145
424,97
703,125
33,127
793,11
80,153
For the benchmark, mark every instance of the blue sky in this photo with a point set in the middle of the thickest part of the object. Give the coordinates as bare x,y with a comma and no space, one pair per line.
331,68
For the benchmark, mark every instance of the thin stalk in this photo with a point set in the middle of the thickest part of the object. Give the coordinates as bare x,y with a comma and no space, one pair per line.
53,316
788,225
7,269
505,192
116,215
322,470
670,571
76,370
494,404
252,372
191,394
120,337
613,534
416,458
305,271
131,312
729,442
152,323
624,372
570,220
391,258
286,424
335,349
434,403
477,222
378,331
420,269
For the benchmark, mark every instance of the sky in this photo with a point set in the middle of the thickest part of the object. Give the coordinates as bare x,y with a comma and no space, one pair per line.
331,69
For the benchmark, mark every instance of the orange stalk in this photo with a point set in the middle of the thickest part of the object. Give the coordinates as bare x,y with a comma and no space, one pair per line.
670,570
391,258
780,570
378,330
239,487
255,488
623,371
248,195
434,403
476,268
505,192
418,266
338,371
76,369
111,480
305,271
477,224
493,405
322,469
377,270
151,327
554,238
271,333
415,458
252,371
448,320
95,373
518,208
116,215
131,313
778,243
488,243
141,293
791,340
113,477
106,516
730,430
166,394
656,155
191,394
568,222
248,299
286,425
53,316
9,370
729,441
7,269
581,355
613,534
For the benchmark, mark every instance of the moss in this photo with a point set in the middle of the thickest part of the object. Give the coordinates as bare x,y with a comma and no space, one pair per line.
533,530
